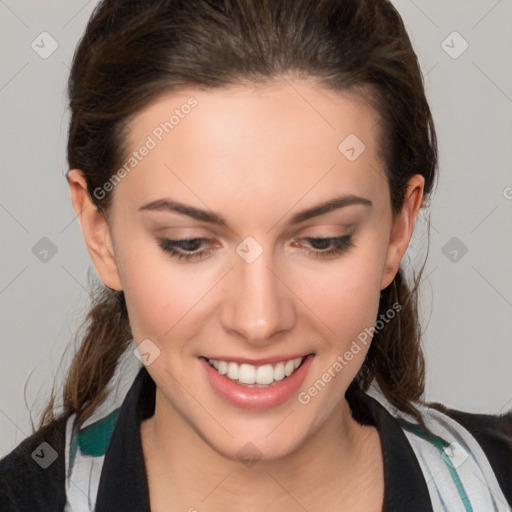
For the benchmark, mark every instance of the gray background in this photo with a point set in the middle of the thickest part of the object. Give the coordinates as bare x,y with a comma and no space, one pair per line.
467,297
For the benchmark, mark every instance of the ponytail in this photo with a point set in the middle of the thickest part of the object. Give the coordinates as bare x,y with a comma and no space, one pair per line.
106,338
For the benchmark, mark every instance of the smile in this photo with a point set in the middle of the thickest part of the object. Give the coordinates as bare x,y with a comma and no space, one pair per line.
249,374
256,387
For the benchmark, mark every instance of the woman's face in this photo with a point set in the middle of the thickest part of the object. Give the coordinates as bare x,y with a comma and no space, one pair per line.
246,173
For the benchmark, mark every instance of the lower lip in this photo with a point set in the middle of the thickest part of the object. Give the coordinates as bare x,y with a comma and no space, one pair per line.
257,398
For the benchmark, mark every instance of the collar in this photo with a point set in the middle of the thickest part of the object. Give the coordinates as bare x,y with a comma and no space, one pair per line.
123,483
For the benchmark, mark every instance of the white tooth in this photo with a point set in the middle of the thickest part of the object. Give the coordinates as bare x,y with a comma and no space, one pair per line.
247,374
265,374
222,367
233,371
279,371
288,368
210,361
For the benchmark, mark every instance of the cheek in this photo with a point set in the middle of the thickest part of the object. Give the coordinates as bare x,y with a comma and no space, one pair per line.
346,313
345,294
159,294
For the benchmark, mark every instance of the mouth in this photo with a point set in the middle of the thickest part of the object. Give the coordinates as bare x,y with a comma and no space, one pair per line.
256,386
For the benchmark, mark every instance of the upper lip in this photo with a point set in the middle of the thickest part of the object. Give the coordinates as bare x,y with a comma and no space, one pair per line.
258,362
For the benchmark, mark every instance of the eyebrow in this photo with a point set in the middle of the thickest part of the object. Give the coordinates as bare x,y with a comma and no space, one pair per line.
211,217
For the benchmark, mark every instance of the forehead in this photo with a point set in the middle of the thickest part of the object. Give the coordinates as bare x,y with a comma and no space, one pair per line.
284,136
290,107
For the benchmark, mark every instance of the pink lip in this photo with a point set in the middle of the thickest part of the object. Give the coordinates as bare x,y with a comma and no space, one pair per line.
256,398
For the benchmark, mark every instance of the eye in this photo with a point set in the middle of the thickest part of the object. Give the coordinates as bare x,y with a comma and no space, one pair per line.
186,249
338,245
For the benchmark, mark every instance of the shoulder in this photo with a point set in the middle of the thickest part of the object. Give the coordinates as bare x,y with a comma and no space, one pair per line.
32,476
494,434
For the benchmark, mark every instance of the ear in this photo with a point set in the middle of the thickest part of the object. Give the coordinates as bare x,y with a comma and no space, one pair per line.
95,230
402,229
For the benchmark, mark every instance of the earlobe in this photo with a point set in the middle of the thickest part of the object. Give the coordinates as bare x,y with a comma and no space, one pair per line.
402,229
95,230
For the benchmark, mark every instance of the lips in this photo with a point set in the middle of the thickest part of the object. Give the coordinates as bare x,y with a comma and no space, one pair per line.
264,396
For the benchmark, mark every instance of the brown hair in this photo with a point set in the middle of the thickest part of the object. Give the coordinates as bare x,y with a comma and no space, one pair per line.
136,50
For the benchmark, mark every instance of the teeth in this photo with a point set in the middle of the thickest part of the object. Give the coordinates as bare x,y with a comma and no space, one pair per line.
222,367
249,374
289,367
233,370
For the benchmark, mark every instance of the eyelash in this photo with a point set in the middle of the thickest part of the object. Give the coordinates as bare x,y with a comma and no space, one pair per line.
341,245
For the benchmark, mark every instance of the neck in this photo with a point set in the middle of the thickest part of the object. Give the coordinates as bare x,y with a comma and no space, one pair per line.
341,450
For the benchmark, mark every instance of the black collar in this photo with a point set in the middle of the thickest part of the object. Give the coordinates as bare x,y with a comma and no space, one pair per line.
123,483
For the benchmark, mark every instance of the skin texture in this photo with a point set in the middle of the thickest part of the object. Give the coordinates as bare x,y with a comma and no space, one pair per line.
255,155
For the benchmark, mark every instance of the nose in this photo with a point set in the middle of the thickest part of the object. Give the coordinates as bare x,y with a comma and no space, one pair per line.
258,306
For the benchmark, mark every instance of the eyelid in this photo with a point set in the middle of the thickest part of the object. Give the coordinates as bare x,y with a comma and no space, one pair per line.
213,241
182,232
335,225
339,245
322,232
320,229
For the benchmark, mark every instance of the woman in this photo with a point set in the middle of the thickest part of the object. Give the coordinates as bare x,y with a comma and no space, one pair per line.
247,175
